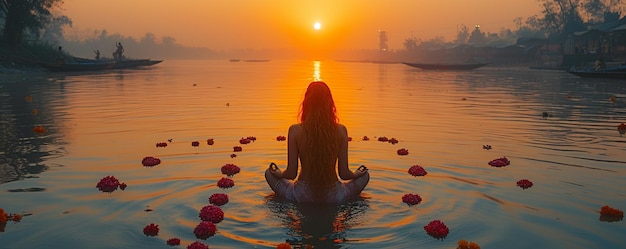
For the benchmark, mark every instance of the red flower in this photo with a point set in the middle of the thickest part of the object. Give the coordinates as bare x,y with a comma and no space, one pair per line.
524,183
281,138
151,230
365,138
393,141
283,246
403,152
211,213
197,245
230,169
163,144
123,186
237,148
487,147
195,143
225,183
39,129
411,199
500,162
621,128
204,230
244,141
383,139
437,229
17,217
611,214
417,170
218,199
251,138
233,155
150,161
173,242
108,184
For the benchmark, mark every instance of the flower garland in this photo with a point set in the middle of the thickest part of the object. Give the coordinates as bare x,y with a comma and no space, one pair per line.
500,162
230,169
225,183
150,161
109,184
218,199
524,183
204,230
411,199
151,230
403,152
463,244
211,213
417,170
437,229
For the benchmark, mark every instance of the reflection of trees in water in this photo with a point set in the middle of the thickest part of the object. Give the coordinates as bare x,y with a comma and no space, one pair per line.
22,151
318,225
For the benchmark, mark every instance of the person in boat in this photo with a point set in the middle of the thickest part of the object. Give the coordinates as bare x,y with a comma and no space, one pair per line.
60,57
320,143
119,51
97,52
599,65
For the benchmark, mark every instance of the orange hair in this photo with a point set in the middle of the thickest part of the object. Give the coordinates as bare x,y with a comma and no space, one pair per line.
320,137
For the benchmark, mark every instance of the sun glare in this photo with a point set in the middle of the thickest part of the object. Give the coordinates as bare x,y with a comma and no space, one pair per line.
317,26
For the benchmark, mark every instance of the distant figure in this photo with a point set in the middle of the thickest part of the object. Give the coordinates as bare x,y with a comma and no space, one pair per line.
320,144
60,57
119,52
599,65
97,52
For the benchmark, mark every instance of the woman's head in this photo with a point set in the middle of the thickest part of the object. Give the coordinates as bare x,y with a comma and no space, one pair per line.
318,104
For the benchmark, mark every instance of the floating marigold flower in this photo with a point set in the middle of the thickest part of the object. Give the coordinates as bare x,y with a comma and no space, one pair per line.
28,98
204,230
611,214
218,199
463,244
621,128
108,184
151,230
500,162
210,141
403,152
211,213
162,144
437,229
173,242
197,245
3,217
417,170
383,139
244,141
35,111
237,148
251,138
393,141
123,186
230,169
487,147
524,183
233,155
411,199
225,183
195,143
365,138
150,161
283,246
39,129
281,138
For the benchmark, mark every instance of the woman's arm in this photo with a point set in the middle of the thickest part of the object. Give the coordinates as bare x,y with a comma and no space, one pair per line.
292,155
342,158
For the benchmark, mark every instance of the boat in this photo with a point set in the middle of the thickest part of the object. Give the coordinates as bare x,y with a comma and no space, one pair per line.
446,66
77,66
122,64
256,60
599,74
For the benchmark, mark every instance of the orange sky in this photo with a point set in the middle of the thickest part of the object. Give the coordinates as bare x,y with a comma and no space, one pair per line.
241,24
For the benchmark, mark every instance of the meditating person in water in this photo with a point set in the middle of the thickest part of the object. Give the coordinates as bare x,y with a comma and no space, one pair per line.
320,143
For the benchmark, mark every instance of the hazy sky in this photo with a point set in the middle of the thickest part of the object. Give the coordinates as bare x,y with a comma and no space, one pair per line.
257,24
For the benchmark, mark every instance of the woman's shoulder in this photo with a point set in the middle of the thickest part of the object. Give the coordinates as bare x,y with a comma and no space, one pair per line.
295,128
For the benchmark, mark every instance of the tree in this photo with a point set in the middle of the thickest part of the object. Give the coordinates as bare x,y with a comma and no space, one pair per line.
22,15
462,35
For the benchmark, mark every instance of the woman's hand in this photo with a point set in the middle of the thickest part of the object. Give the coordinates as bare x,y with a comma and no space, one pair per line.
275,171
361,171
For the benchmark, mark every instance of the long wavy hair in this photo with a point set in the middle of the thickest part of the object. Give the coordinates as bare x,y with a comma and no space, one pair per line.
320,137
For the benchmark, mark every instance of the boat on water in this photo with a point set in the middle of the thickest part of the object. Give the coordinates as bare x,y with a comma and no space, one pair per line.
600,74
123,63
77,66
446,66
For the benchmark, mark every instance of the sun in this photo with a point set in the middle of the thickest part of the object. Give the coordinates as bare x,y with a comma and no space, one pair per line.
317,26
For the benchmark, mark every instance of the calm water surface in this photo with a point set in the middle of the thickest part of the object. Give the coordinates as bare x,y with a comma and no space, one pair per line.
103,124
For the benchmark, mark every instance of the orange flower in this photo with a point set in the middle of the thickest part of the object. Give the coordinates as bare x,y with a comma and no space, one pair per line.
3,217
17,217
283,246
39,129
606,210
463,244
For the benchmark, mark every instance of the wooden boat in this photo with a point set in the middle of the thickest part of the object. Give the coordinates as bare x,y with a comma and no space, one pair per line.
77,66
122,64
446,66
599,74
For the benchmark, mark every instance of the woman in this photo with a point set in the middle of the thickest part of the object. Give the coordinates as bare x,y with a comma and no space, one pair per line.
321,145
